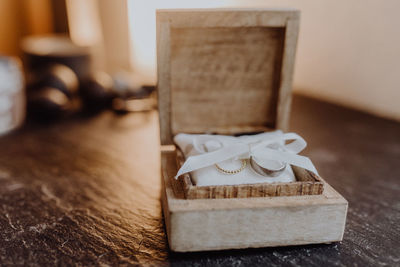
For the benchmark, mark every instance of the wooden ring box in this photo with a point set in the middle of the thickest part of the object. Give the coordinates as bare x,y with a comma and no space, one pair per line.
229,71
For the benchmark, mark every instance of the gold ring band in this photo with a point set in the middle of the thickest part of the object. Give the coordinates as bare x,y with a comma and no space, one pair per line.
244,163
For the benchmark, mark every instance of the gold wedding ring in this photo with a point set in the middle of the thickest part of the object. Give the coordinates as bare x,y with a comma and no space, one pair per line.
244,163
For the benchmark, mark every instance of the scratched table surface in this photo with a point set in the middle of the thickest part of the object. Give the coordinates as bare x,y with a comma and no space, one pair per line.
86,191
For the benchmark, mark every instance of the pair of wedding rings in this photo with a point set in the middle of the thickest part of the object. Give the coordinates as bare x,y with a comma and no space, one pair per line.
274,170
274,167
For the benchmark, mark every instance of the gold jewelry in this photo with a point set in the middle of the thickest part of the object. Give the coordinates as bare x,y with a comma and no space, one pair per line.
244,163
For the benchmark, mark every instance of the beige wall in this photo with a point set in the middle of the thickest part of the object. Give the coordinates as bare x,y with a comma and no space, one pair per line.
348,52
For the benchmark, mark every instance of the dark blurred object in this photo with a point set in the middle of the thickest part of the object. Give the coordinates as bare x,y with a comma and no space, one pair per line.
121,92
97,91
49,103
41,51
143,92
57,76
58,69
52,92
55,68
126,85
131,96
12,95
123,106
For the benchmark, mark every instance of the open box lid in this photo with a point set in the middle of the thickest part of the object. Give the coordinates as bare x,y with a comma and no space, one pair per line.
225,71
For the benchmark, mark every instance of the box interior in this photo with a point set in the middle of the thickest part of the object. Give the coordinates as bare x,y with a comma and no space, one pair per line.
216,70
307,183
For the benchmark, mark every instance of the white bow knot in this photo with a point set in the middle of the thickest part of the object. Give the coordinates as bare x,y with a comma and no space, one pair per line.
266,147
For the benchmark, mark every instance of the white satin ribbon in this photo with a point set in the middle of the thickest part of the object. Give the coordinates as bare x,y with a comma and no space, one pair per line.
214,149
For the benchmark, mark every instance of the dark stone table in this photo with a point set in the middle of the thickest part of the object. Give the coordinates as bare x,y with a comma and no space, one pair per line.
86,191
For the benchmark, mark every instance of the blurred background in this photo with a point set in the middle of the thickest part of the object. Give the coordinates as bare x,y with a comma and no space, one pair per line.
348,51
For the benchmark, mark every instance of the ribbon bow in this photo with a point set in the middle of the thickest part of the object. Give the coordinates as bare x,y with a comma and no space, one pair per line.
266,147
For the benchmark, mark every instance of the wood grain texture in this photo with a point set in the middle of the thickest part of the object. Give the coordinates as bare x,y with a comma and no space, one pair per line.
228,223
227,17
163,81
307,184
220,70
285,92
87,192
224,77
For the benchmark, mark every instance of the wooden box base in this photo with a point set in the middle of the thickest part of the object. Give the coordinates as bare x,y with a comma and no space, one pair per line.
217,224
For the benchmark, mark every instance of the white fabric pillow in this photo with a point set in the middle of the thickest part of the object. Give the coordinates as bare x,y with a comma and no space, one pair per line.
211,176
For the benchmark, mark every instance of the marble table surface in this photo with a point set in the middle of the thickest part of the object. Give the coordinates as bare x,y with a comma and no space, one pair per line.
86,191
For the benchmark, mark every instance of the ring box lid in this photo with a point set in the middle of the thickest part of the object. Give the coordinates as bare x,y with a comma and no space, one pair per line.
225,71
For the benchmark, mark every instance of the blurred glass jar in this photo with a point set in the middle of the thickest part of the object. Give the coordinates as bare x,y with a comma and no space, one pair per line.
12,94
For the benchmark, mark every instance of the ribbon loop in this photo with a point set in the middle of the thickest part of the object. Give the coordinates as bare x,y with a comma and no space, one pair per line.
271,146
